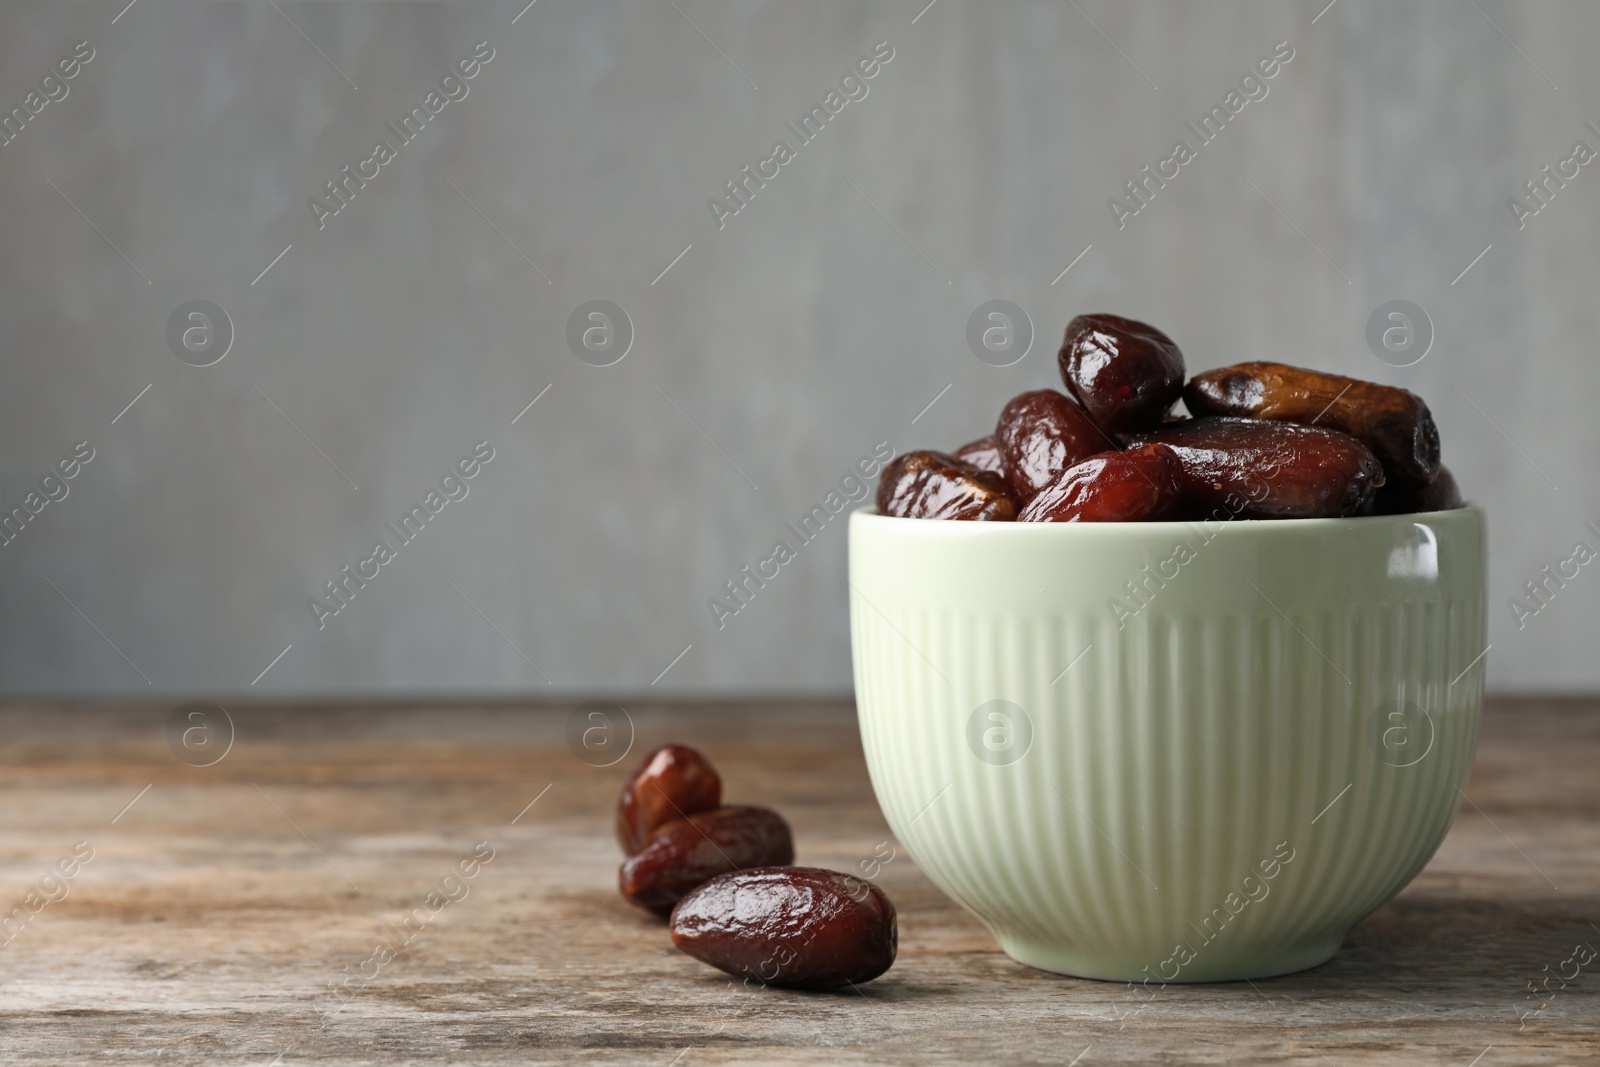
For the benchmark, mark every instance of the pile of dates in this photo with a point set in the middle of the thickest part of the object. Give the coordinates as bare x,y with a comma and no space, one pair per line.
1263,441
722,874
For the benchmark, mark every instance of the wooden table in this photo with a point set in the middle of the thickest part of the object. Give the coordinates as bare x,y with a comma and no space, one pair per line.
222,906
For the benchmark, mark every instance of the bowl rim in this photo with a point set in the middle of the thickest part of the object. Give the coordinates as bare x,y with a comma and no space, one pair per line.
1233,528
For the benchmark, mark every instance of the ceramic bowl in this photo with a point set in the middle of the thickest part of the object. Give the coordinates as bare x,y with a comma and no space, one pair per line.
1169,752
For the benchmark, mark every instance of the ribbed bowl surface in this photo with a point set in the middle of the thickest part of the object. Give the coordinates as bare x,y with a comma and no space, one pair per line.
1169,751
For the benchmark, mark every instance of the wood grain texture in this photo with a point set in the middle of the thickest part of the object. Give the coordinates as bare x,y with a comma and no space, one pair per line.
220,909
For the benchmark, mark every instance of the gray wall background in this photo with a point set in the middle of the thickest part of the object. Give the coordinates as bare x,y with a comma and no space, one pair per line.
806,330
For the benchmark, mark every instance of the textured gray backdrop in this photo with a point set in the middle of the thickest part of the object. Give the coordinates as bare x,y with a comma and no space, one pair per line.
775,353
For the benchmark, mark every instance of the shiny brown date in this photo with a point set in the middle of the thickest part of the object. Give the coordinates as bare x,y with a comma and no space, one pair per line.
1042,433
674,781
1126,374
1139,485
1403,498
1394,423
685,853
984,453
789,926
932,485
1254,469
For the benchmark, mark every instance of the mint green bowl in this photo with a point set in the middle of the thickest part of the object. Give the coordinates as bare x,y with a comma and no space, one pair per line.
1169,752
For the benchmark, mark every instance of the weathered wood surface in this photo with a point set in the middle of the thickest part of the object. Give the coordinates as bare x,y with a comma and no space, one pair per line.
220,908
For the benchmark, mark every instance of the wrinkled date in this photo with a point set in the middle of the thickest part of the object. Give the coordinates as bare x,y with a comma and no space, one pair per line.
1041,434
1127,375
984,453
1139,485
932,485
1394,423
673,781
1403,498
789,926
1267,441
685,853
1253,469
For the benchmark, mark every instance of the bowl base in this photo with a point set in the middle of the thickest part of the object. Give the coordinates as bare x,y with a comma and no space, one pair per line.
1219,965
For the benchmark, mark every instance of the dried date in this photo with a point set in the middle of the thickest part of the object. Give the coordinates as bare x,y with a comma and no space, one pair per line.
1395,423
1125,373
674,781
685,853
984,453
1254,469
1403,498
789,926
933,485
1042,433
1139,485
